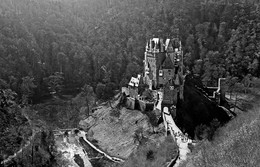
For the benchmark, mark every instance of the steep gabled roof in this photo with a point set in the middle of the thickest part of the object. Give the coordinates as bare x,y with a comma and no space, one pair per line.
160,59
168,63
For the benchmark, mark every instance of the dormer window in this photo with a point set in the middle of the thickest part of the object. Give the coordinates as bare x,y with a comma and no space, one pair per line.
160,73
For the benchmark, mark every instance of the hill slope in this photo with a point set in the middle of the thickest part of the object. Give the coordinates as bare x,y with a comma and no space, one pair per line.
115,130
236,144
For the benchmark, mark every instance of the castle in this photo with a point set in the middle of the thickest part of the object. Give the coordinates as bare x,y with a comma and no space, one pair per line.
162,72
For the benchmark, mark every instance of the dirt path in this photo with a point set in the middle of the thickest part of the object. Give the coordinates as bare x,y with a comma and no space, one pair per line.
11,157
114,159
28,142
181,140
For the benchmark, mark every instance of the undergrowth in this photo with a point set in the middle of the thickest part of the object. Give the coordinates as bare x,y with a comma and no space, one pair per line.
235,145
153,155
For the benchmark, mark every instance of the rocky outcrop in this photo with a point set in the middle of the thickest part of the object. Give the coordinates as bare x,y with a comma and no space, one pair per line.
70,150
114,130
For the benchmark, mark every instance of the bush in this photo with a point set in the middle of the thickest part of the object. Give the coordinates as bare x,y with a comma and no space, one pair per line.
153,155
152,118
115,113
150,155
205,131
139,137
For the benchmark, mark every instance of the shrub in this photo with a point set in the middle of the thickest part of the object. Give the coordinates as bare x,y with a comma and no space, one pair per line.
153,155
152,118
150,155
207,131
138,136
115,113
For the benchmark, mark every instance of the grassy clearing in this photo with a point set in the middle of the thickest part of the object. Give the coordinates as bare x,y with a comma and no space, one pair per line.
235,145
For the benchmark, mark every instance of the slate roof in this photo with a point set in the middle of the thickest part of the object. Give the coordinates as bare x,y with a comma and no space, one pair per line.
168,63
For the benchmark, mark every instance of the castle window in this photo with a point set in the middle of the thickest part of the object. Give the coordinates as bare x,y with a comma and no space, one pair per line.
152,44
160,73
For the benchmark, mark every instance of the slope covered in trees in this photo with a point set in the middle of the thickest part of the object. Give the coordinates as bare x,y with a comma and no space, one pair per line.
14,127
60,46
98,41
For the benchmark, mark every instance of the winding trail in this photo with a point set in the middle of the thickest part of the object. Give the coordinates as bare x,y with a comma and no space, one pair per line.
11,157
114,159
28,142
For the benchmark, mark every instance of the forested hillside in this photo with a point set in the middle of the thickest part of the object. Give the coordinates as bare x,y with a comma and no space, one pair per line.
61,45
90,48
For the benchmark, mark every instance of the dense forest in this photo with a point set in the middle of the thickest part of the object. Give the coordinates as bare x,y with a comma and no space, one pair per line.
64,47
55,46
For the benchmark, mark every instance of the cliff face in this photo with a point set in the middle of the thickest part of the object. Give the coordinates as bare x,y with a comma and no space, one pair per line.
197,108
